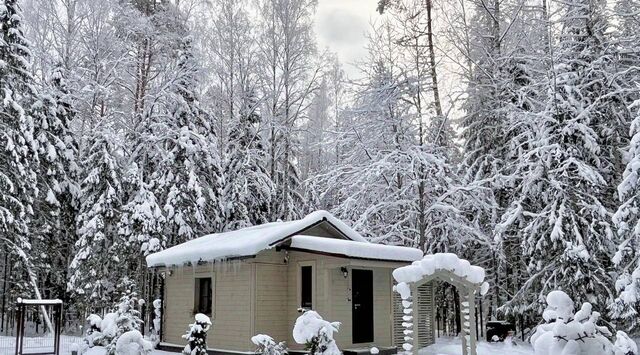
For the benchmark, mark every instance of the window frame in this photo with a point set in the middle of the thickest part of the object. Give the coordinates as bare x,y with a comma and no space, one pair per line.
302,264
196,293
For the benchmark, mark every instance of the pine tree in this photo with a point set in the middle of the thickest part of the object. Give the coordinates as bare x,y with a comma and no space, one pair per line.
563,208
189,175
142,220
624,307
96,269
248,190
57,200
627,221
18,156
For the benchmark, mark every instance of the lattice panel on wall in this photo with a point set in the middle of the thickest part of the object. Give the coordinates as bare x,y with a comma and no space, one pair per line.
424,314
398,329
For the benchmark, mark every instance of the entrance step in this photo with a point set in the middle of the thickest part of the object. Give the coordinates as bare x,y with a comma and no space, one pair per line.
367,351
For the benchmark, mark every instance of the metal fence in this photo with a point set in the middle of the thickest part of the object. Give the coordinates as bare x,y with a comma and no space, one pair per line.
38,340
31,336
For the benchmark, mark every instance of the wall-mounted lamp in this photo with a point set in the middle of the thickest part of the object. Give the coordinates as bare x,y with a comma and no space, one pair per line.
345,272
286,256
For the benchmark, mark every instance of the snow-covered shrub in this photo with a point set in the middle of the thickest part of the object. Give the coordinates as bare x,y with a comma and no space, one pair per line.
267,346
197,336
316,333
106,331
566,333
101,330
132,343
157,316
127,319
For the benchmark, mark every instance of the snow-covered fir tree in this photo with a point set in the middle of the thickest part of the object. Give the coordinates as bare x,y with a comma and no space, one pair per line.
248,190
18,158
58,191
95,268
563,201
189,174
627,221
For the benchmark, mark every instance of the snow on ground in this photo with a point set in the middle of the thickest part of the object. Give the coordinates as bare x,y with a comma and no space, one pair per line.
98,350
38,344
453,346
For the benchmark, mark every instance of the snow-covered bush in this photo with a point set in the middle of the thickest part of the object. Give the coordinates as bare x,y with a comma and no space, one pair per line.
106,331
197,336
267,346
132,343
566,333
127,319
157,316
316,333
101,330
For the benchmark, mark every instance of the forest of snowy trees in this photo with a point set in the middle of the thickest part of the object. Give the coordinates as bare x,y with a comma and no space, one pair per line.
505,131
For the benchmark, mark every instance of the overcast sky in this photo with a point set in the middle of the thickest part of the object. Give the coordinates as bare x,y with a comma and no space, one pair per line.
341,25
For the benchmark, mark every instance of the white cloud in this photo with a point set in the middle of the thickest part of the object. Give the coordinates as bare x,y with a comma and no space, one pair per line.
342,25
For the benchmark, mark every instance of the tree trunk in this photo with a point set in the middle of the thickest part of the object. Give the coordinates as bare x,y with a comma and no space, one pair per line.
4,291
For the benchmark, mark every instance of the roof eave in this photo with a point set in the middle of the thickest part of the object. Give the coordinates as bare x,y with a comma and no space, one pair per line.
344,256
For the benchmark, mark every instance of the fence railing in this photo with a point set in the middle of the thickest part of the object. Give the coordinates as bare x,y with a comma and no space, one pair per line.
36,338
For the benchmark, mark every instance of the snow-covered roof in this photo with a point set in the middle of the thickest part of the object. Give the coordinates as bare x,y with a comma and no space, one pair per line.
354,249
246,242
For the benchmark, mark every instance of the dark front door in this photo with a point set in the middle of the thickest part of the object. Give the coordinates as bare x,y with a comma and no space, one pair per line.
362,305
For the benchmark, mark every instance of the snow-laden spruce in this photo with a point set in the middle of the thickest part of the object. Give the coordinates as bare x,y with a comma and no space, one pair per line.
19,146
95,268
562,203
248,191
627,220
569,333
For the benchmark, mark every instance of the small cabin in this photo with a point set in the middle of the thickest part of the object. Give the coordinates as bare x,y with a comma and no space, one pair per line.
255,280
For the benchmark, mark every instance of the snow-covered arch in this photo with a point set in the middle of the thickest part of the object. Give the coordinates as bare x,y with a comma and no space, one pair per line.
467,278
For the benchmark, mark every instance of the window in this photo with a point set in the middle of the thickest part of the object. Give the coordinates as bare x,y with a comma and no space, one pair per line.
203,295
306,287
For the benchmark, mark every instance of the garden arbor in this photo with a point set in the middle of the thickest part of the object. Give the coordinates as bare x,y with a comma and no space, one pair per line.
466,278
